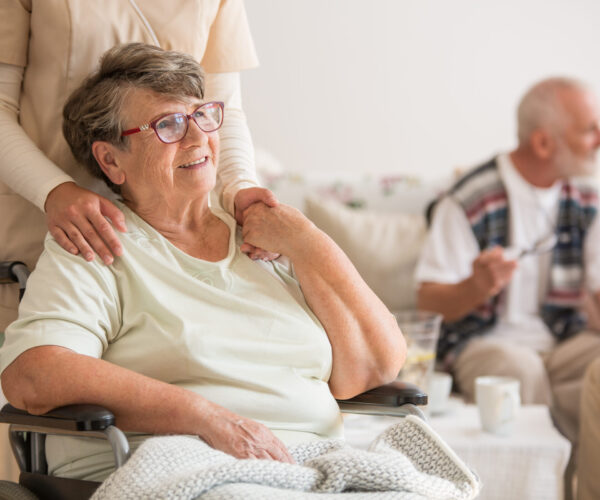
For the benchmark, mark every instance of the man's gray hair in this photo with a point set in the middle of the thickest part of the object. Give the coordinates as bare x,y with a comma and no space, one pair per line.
541,106
93,111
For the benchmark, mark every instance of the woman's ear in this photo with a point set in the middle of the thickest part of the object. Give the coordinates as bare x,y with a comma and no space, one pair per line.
543,144
107,155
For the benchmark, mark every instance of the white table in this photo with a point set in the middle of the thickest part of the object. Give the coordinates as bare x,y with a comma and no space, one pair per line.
529,464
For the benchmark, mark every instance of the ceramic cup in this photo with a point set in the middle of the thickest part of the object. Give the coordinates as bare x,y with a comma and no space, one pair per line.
438,392
498,401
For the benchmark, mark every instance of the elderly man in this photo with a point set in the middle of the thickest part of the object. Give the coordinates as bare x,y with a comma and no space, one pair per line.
513,247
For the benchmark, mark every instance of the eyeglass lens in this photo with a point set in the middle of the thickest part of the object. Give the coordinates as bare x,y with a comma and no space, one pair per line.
172,128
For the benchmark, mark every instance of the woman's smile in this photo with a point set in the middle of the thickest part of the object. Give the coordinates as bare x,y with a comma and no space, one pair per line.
195,164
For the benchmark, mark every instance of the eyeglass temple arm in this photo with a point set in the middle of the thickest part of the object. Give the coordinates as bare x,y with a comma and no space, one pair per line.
135,130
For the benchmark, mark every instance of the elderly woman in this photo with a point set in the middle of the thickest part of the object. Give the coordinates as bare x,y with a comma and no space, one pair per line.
184,334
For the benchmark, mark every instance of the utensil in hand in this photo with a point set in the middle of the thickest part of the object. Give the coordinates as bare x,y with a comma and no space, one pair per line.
543,245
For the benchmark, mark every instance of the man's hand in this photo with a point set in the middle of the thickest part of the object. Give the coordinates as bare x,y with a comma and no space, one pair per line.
244,438
76,220
243,199
491,272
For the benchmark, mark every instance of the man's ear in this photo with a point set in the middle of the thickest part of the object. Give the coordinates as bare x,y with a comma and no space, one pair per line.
543,144
106,155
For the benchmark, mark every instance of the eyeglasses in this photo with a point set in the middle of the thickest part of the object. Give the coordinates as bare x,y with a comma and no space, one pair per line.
173,127
543,245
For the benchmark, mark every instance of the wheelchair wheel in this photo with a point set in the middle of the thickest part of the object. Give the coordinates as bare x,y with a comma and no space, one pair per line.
14,491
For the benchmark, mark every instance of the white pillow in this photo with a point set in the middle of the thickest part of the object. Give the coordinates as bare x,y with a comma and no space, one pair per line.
383,246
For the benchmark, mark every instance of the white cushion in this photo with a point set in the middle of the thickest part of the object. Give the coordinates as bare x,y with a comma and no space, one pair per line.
386,193
383,246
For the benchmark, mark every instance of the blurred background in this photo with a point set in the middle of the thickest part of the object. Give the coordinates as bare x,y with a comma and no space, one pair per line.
415,87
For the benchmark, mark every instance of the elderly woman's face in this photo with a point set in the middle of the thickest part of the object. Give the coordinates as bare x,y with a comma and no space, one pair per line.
152,168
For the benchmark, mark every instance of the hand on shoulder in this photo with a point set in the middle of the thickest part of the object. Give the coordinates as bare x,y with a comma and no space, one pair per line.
76,219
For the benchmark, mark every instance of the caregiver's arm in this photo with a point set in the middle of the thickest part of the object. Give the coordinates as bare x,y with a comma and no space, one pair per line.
75,216
236,176
46,377
368,348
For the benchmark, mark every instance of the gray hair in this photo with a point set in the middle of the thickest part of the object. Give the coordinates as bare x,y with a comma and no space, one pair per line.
541,106
93,110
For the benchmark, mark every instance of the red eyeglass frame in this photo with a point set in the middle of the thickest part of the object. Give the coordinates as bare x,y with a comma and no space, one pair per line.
152,124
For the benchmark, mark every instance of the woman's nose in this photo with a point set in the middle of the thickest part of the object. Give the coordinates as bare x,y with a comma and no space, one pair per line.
195,134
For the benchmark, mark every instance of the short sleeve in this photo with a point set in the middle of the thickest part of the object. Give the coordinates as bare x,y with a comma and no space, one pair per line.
450,247
230,46
14,31
69,303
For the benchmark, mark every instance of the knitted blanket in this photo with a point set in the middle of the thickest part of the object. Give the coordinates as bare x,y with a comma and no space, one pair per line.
407,461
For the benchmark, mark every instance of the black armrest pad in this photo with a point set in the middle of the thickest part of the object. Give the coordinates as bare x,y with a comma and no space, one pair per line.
6,273
72,418
393,394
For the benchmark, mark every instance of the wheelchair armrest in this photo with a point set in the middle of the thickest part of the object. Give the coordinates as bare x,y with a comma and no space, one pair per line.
69,418
393,394
80,420
14,272
393,399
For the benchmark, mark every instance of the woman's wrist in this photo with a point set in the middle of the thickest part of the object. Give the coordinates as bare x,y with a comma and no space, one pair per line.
306,245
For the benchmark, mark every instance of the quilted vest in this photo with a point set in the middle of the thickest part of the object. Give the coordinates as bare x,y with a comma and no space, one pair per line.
482,195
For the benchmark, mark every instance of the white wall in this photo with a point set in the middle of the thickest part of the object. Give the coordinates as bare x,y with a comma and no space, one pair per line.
407,86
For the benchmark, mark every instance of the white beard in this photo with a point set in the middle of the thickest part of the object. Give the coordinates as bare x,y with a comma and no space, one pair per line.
569,165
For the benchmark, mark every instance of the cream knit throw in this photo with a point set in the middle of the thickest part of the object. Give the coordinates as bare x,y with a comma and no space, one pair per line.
407,461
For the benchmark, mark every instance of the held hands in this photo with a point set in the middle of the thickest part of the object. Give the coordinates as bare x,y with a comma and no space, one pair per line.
245,438
76,220
244,199
282,229
491,272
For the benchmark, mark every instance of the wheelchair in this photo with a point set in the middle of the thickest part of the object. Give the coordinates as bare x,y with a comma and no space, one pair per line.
27,433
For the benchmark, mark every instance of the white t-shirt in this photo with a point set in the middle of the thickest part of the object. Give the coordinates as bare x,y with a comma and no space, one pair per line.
451,248
238,332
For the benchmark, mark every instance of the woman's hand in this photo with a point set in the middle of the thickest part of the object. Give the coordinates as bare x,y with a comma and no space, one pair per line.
244,438
76,220
282,229
245,198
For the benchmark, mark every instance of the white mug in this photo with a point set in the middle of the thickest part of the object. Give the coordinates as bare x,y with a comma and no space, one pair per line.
498,401
438,392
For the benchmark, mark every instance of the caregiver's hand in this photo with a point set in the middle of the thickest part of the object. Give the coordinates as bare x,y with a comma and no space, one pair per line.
243,438
245,198
281,229
76,220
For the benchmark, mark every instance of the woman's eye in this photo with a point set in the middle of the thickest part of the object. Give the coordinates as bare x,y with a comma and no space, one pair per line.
171,121
164,124
198,114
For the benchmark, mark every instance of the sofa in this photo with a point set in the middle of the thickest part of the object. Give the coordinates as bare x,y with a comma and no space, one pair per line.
377,219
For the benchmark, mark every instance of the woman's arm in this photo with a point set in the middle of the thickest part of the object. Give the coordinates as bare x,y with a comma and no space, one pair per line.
75,216
46,377
368,347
